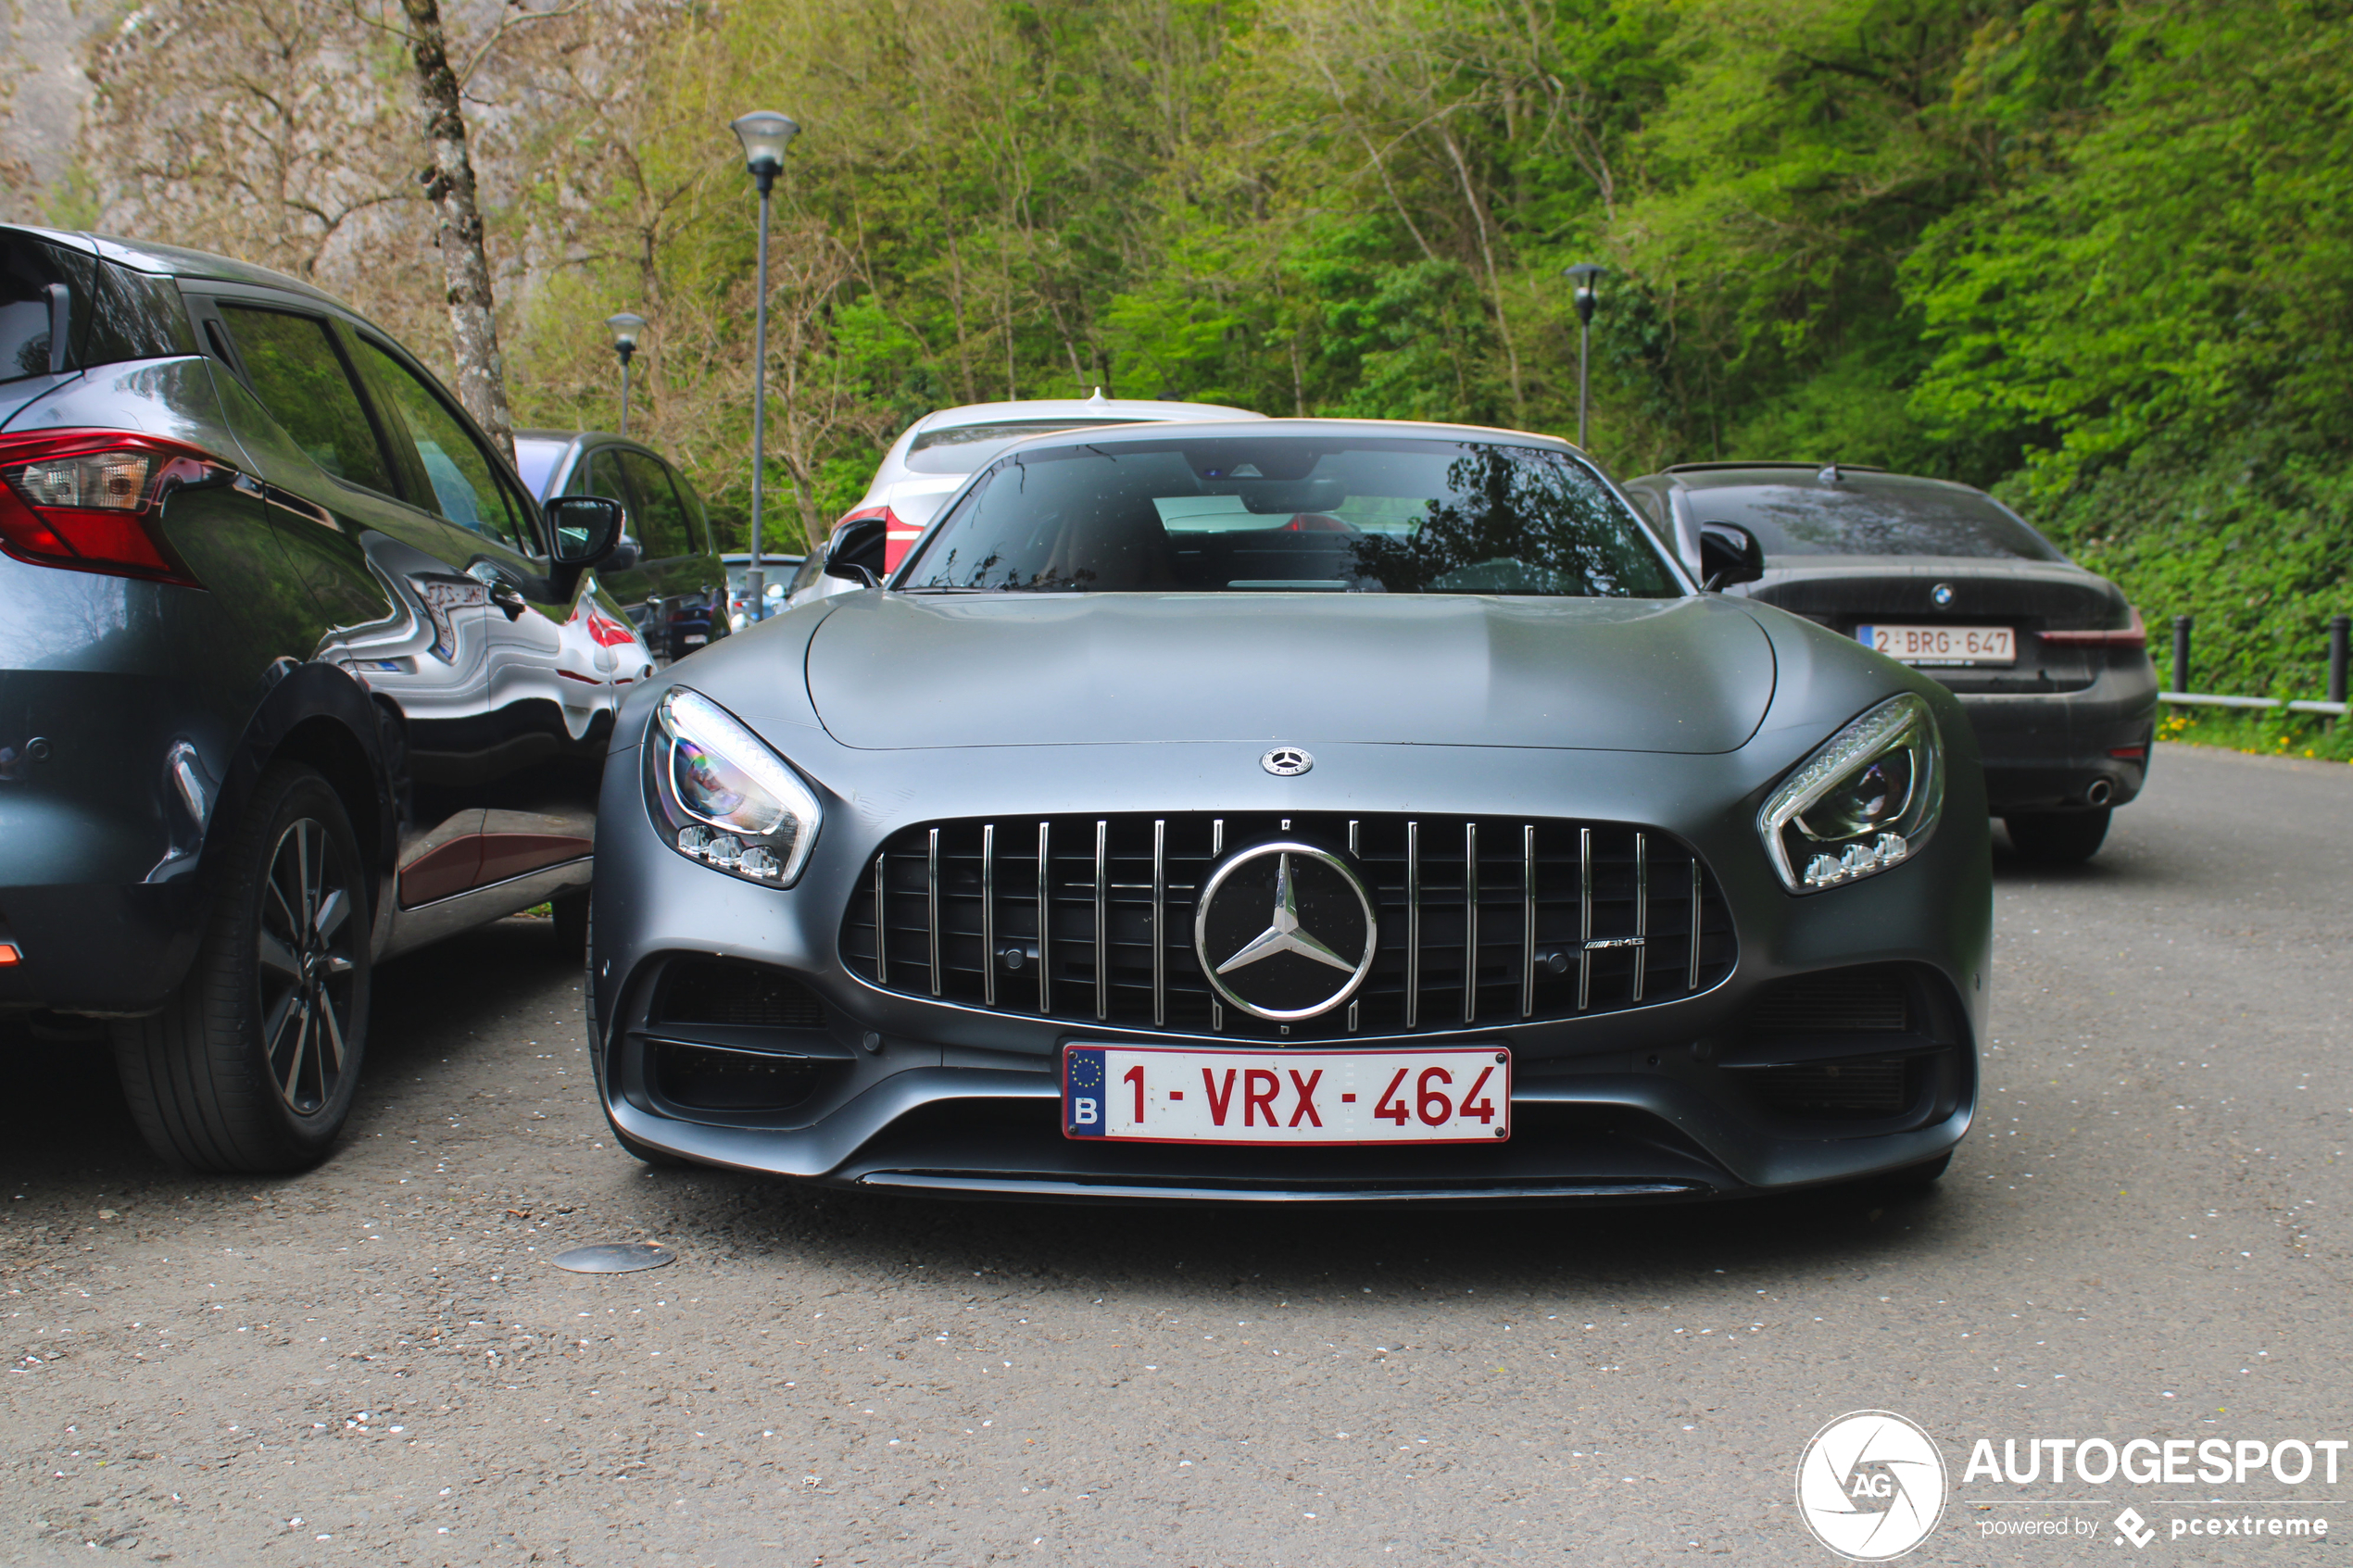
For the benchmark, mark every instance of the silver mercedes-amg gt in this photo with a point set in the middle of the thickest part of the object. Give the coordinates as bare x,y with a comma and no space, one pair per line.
1322,810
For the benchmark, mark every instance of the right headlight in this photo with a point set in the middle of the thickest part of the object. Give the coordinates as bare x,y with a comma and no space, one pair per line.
726,800
1863,802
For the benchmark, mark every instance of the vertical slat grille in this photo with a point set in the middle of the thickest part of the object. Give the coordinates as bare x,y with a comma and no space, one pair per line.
1502,919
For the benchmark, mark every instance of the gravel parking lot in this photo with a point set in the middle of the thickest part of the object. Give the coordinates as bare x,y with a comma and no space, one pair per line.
375,1362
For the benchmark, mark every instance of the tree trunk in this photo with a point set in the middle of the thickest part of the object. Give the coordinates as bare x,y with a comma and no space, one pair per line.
474,323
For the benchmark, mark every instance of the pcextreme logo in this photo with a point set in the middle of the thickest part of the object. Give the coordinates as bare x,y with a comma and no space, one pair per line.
1870,1485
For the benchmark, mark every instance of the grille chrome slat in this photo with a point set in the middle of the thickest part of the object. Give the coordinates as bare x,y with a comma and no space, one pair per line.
1159,922
1641,910
1122,911
1413,923
931,908
1584,919
1470,922
988,913
1045,917
1103,924
1698,923
882,924
1528,920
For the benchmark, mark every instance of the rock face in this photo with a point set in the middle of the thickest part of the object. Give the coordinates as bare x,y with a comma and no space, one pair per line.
43,115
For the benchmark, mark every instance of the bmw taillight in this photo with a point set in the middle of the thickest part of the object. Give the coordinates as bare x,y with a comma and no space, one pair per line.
2135,635
91,500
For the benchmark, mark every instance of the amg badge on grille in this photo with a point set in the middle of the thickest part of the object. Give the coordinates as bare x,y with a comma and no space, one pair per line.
1285,931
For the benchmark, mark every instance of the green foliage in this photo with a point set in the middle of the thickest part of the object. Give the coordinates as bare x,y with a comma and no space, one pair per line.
2090,251
2253,539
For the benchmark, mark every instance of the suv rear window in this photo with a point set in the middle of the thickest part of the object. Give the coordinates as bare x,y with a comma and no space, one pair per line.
27,269
1861,519
117,314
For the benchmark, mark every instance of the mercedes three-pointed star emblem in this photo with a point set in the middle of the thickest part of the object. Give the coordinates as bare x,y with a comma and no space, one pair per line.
1284,936
1285,931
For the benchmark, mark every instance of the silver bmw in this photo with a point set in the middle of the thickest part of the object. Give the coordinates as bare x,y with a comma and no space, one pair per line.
1315,810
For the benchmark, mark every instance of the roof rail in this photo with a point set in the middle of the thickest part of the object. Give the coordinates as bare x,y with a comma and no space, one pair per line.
1773,463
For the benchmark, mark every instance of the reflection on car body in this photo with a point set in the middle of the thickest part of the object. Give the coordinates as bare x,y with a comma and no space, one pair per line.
662,575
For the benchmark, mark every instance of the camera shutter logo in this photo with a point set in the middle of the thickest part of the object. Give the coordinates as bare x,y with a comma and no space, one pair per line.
1871,1485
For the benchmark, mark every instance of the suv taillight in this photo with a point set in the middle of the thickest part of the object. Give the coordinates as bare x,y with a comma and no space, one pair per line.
91,500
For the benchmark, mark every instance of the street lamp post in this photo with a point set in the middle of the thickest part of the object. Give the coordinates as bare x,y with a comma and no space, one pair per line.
764,135
1585,272
625,328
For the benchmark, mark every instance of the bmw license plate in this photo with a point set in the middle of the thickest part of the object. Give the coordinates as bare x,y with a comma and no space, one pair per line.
1941,645
1166,1093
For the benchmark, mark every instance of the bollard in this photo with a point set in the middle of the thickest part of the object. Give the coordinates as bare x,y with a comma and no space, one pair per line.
2337,624
2181,653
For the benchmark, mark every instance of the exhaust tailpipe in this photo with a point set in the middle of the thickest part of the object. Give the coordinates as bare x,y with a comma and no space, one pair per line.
2101,792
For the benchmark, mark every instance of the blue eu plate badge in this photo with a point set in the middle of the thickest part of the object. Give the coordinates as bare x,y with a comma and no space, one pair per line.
1083,1093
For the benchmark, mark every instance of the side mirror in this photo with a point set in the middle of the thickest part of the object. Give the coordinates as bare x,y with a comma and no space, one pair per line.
857,551
1729,554
582,530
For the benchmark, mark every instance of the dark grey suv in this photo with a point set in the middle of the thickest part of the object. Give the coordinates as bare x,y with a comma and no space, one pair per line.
294,675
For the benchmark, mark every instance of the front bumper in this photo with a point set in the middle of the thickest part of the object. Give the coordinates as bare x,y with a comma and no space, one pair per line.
1650,1104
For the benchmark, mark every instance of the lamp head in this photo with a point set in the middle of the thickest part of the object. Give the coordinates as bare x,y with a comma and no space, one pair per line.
764,134
625,328
1586,273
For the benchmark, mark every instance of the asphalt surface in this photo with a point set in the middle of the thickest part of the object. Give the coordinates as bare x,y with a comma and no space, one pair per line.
375,1362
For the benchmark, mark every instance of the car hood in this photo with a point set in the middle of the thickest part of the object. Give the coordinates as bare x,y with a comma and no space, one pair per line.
891,671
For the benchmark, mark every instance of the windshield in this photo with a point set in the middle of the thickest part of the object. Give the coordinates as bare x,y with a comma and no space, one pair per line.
1861,520
965,448
1292,514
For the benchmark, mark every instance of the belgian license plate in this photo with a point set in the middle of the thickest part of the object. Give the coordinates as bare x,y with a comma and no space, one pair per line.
1941,645
1166,1093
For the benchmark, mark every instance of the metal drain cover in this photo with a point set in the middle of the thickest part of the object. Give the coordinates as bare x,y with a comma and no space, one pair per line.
615,1258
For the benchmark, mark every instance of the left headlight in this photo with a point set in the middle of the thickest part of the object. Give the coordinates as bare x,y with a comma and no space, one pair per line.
726,800
1865,800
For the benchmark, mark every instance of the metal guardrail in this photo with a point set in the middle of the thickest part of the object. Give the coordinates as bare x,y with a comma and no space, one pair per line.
2335,707
2203,699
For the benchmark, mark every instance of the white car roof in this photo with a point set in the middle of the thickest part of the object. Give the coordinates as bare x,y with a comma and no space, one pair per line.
1098,410
1095,408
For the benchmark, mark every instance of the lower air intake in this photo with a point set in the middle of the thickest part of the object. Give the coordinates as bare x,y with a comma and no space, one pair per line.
1859,1087
740,995
708,1078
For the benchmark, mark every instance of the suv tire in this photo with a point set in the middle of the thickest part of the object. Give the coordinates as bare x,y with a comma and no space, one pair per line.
251,1065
